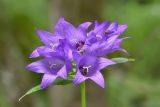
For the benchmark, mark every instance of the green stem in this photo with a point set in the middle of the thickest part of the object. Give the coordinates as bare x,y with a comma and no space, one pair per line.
83,94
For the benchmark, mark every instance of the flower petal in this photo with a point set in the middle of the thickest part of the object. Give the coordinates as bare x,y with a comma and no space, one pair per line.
111,40
104,62
67,30
84,26
67,49
79,78
117,45
46,51
58,28
44,36
101,48
96,23
76,56
47,80
122,50
122,28
36,52
48,38
113,26
68,65
62,72
98,79
100,28
38,66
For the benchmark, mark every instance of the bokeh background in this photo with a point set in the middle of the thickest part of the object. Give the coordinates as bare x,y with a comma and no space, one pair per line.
133,84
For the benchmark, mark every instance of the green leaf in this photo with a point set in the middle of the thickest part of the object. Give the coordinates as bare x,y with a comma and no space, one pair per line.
122,60
32,90
37,88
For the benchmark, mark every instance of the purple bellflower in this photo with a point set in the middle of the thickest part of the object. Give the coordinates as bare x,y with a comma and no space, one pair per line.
103,39
102,48
54,65
50,40
88,67
105,30
76,44
75,38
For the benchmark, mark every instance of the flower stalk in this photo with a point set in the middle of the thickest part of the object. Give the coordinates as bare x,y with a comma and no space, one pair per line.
83,94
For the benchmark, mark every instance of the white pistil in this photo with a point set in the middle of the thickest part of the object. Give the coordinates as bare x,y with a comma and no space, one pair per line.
87,34
51,65
74,40
87,67
53,45
98,36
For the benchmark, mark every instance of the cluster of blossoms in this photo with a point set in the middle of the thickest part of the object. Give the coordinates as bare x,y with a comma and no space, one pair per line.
68,46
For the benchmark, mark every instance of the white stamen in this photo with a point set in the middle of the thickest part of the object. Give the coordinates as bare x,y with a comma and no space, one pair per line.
52,65
87,67
98,36
87,34
53,45
74,40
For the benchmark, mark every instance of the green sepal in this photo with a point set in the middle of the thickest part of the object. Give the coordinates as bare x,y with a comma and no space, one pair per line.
122,60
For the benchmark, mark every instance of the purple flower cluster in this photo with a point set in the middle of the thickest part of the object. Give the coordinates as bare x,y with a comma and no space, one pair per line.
68,45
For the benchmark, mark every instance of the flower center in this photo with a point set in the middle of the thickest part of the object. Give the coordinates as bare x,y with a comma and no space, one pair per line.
55,65
98,36
84,70
74,40
53,45
83,52
79,45
52,65
106,32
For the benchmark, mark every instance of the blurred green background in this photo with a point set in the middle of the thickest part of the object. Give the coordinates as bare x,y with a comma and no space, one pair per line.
133,84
